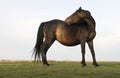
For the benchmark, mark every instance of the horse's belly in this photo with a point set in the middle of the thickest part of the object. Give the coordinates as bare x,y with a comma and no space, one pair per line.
68,42
66,38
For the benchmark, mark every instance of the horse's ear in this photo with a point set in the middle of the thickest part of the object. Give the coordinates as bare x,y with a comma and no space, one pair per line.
80,8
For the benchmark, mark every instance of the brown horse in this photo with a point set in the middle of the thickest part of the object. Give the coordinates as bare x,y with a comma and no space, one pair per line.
67,34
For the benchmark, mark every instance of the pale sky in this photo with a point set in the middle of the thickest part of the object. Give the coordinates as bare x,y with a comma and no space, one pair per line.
20,19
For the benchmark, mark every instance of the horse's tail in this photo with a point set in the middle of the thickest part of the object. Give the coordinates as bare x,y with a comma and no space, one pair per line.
39,41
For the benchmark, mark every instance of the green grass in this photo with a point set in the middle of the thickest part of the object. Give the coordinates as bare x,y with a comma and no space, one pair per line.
59,70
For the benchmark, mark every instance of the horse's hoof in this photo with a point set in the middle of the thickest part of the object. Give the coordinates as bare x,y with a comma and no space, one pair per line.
84,65
46,65
96,65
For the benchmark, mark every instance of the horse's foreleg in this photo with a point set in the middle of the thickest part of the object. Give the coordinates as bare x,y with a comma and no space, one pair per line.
90,44
83,53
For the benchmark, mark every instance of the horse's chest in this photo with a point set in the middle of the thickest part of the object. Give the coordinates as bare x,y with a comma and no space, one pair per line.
91,36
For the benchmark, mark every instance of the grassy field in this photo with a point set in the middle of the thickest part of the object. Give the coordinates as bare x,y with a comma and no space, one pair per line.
59,70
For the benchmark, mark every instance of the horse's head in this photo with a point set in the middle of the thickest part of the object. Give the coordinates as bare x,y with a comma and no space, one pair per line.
77,16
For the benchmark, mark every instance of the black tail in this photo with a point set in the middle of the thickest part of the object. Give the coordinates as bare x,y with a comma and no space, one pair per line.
39,41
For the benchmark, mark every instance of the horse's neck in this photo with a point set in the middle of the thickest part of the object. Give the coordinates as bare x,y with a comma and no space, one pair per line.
91,23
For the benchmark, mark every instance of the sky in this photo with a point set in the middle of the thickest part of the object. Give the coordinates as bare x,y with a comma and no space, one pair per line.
20,19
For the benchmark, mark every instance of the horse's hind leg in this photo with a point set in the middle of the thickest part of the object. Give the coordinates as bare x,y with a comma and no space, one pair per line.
44,48
90,44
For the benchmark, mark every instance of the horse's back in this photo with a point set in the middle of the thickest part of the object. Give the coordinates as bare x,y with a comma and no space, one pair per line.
53,23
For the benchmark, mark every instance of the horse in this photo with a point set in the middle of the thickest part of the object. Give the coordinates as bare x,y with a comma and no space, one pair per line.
66,34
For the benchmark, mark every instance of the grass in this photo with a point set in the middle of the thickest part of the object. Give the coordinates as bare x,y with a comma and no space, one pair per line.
59,70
